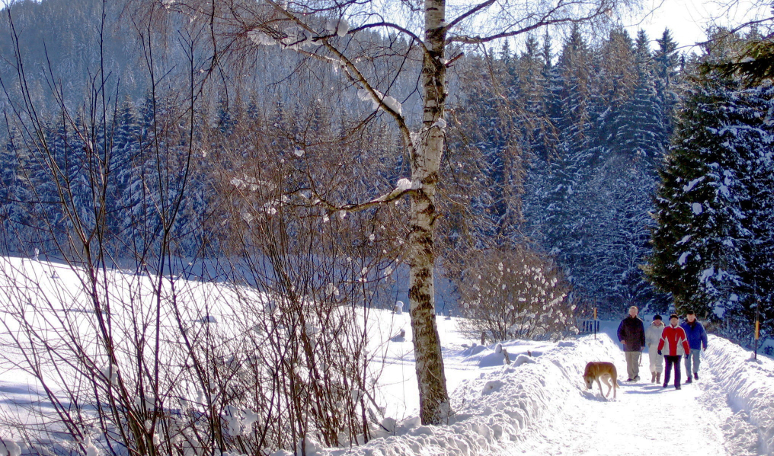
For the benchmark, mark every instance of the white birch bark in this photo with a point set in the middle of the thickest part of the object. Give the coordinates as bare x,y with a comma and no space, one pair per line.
425,162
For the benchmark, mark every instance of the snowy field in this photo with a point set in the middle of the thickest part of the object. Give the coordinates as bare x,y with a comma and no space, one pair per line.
537,404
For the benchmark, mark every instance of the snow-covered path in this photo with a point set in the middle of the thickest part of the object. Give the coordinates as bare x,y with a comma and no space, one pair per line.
644,419
538,405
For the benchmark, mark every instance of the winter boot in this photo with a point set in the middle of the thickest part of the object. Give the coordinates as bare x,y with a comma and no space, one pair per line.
652,377
695,375
658,377
689,379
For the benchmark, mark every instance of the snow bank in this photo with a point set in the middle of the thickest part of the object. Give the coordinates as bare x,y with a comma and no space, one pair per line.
495,410
749,385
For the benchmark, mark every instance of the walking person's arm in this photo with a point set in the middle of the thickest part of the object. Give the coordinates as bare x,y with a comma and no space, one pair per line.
621,333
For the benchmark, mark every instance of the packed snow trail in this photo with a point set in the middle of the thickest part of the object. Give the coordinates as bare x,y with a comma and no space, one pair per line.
647,418
538,404
644,419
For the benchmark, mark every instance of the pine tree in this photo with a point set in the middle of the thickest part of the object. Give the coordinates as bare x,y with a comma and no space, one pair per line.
712,243
574,70
127,144
535,120
545,136
639,128
15,196
666,66
493,109
614,81
81,152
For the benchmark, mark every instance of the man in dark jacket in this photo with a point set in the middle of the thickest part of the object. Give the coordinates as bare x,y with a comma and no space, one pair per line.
631,333
697,340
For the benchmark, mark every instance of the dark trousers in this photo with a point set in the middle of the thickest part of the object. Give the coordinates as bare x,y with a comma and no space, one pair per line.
672,361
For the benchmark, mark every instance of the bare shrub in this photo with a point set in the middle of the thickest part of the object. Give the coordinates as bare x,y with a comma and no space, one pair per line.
515,293
132,348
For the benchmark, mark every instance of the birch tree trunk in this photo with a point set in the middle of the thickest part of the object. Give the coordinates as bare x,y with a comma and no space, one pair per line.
425,163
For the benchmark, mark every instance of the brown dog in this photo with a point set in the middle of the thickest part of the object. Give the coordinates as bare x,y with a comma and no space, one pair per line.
601,370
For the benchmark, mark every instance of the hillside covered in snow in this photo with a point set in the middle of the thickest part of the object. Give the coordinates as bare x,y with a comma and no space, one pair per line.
535,402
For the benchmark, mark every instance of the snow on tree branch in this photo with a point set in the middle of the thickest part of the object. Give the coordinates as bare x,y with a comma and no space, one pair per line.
378,100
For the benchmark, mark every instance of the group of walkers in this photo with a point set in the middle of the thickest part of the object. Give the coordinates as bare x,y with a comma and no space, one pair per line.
664,342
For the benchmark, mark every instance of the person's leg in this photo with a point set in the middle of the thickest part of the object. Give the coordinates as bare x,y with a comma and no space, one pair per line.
637,359
677,372
688,366
659,364
653,361
668,370
630,363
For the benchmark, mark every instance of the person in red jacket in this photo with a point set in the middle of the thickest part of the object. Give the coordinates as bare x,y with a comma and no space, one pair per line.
673,345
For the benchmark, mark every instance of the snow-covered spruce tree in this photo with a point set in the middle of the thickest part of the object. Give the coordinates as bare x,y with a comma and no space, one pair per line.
712,246
640,131
489,141
575,93
515,294
15,194
588,204
338,33
614,77
556,178
667,79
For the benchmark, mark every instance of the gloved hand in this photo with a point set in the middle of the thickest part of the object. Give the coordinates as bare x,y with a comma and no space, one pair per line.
686,356
659,352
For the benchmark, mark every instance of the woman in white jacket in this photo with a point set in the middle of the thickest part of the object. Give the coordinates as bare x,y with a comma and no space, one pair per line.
652,338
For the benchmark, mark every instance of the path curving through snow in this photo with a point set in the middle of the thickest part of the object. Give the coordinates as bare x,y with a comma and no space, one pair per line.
649,419
539,405
644,419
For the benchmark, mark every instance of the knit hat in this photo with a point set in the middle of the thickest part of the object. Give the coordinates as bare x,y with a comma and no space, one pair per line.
674,316
656,317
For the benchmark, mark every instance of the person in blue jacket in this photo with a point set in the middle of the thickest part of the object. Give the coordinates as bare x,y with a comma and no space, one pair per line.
697,340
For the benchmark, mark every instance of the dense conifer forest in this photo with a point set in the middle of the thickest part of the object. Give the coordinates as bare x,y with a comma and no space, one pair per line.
555,141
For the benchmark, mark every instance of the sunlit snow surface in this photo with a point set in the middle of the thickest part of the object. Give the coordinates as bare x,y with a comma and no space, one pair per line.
536,405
